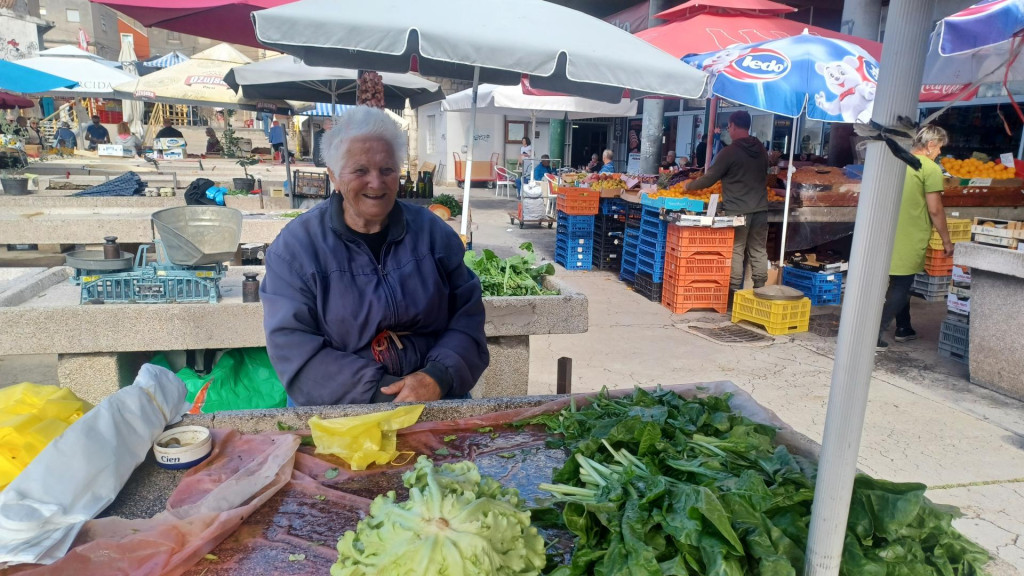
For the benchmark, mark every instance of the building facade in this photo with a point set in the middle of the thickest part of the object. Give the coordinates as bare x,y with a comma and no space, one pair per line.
21,29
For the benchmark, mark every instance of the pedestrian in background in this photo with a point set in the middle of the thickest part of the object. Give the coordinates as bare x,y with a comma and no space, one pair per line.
742,168
920,210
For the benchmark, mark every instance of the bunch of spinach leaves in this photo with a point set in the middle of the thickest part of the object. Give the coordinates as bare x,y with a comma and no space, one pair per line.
512,276
662,485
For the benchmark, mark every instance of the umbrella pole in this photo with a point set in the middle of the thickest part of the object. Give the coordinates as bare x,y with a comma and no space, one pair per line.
288,169
877,214
710,133
468,172
789,185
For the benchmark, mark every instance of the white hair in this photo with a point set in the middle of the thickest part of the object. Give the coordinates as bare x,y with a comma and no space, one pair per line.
355,122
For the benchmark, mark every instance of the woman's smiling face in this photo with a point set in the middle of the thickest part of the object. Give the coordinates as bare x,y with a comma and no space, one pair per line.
368,181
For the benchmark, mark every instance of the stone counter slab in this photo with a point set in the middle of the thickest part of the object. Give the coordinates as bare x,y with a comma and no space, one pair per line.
54,322
990,259
89,226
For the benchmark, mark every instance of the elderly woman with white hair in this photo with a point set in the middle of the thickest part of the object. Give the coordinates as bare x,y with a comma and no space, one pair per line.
367,299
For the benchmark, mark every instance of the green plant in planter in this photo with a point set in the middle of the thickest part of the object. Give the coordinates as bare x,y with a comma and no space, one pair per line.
8,132
230,142
246,162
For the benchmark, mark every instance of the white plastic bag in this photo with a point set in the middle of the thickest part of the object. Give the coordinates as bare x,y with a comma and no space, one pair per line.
533,208
81,472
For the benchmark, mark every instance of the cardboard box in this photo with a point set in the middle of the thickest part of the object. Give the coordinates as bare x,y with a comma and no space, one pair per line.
116,150
958,304
173,154
960,292
168,143
961,274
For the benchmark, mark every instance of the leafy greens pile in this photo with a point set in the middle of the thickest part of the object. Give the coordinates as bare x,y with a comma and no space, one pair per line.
449,202
662,485
455,522
513,276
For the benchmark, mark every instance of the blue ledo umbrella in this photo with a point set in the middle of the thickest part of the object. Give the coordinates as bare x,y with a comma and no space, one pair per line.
836,80
829,80
983,25
17,78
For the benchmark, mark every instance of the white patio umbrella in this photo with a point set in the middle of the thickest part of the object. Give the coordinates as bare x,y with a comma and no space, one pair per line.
132,110
510,100
478,41
287,77
96,77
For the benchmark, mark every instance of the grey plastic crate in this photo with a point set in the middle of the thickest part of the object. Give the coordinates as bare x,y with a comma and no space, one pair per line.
947,351
954,339
931,288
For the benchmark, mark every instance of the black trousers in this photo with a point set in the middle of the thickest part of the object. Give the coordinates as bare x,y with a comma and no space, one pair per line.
897,302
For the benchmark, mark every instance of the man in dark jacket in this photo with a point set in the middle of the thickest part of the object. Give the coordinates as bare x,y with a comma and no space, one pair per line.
367,299
742,167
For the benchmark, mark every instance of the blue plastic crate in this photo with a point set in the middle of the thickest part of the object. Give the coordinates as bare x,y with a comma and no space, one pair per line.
826,299
656,270
654,233
627,274
649,213
812,290
576,223
563,231
613,206
672,204
812,278
655,248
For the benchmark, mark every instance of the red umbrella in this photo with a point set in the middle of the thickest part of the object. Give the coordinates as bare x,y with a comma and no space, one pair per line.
749,7
9,101
702,26
223,20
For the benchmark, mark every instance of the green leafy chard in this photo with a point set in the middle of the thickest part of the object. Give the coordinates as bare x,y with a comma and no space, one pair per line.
660,484
513,276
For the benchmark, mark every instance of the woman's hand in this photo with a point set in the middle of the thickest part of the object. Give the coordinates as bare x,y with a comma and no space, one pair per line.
416,387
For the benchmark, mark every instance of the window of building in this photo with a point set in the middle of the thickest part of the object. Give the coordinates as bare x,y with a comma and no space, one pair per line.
431,132
72,15
42,11
173,37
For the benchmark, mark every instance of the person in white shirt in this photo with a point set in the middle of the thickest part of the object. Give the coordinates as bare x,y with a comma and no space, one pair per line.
525,152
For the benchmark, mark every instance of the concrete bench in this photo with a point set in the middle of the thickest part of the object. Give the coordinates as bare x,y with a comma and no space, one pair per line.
100,347
997,314
89,226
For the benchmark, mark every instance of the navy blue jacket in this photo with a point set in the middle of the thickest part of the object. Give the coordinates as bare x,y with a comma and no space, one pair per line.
325,299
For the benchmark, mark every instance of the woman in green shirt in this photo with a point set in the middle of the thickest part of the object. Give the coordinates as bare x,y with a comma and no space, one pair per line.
920,210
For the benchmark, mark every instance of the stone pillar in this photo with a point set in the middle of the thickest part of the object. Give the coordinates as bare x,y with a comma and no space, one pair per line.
862,18
508,374
651,135
556,132
412,115
658,6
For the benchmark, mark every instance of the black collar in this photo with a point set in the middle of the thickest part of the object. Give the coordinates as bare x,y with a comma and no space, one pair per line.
396,219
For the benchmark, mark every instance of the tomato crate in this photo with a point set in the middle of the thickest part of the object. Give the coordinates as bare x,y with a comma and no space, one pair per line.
959,231
682,297
698,267
647,287
776,316
691,239
579,202
936,263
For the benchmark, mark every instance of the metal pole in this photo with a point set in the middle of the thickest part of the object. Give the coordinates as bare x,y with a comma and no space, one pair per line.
468,172
709,132
785,213
877,213
651,135
288,168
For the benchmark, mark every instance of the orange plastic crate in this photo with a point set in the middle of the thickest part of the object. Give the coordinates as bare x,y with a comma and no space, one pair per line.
681,298
714,266
579,201
690,239
937,264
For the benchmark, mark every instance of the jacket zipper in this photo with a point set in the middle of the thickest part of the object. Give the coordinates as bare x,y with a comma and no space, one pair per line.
392,306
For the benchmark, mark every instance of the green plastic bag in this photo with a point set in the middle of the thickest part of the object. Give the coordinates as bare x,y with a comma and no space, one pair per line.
243,379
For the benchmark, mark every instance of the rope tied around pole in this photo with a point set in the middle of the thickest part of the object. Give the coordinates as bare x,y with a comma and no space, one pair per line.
897,138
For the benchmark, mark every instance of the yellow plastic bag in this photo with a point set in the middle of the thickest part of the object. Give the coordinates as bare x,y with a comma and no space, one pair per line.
363,440
31,415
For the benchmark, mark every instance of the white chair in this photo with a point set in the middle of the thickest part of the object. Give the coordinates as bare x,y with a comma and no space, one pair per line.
506,179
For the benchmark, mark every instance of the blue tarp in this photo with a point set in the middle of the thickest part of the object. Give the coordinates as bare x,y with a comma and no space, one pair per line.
127,184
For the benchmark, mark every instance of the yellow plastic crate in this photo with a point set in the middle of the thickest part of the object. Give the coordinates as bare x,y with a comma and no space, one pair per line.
776,316
959,231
